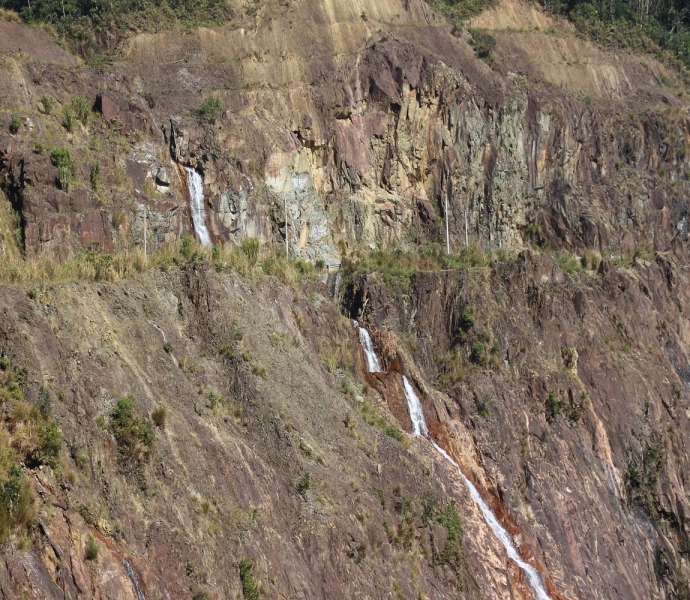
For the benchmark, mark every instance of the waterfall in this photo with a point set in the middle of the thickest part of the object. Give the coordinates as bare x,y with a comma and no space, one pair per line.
373,365
133,577
416,415
196,202
419,428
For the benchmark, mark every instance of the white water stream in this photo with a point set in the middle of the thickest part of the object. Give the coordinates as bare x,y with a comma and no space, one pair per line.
373,364
133,577
196,202
419,427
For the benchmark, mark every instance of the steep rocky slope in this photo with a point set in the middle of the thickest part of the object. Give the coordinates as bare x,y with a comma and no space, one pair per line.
250,411
218,430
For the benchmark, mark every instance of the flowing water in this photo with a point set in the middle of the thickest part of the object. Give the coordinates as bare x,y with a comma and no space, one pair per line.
419,427
196,202
373,364
416,415
133,577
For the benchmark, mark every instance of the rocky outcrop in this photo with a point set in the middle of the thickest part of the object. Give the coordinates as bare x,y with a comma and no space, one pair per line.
577,421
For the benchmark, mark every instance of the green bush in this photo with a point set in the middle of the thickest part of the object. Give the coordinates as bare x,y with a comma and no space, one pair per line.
91,549
553,406
16,502
61,158
250,586
15,124
81,109
478,353
467,319
209,110
483,407
48,103
393,432
95,175
483,43
134,438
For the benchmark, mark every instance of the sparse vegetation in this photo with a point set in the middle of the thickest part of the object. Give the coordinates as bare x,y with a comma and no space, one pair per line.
483,43
396,267
91,549
553,406
82,24
638,26
15,124
134,437
304,483
251,590
209,110
61,158
159,415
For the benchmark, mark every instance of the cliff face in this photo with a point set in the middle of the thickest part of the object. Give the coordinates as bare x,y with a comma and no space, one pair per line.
362,132
574,416
562,391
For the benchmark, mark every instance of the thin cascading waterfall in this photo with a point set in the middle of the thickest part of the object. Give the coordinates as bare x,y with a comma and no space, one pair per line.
196,202
415,406
419,427
133,577
373,364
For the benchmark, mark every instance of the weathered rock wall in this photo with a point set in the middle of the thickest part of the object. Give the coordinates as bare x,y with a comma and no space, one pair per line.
364,131
575,412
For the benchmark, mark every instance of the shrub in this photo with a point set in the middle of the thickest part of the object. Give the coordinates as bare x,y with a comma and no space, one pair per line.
16,502
61,158
48,103
478,351
168,347
44,403
50,441
483,407
215,399
250,586
159,415
188,247
553,406
95,175
81,109
69,120
483,43
357,552
15,124
134,438
568,263
91,549
393,432
251,248
304,483
467,319
209,110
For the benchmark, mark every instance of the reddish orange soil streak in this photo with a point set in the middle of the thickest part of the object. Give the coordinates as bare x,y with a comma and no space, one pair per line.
116,552
382,383
442,438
